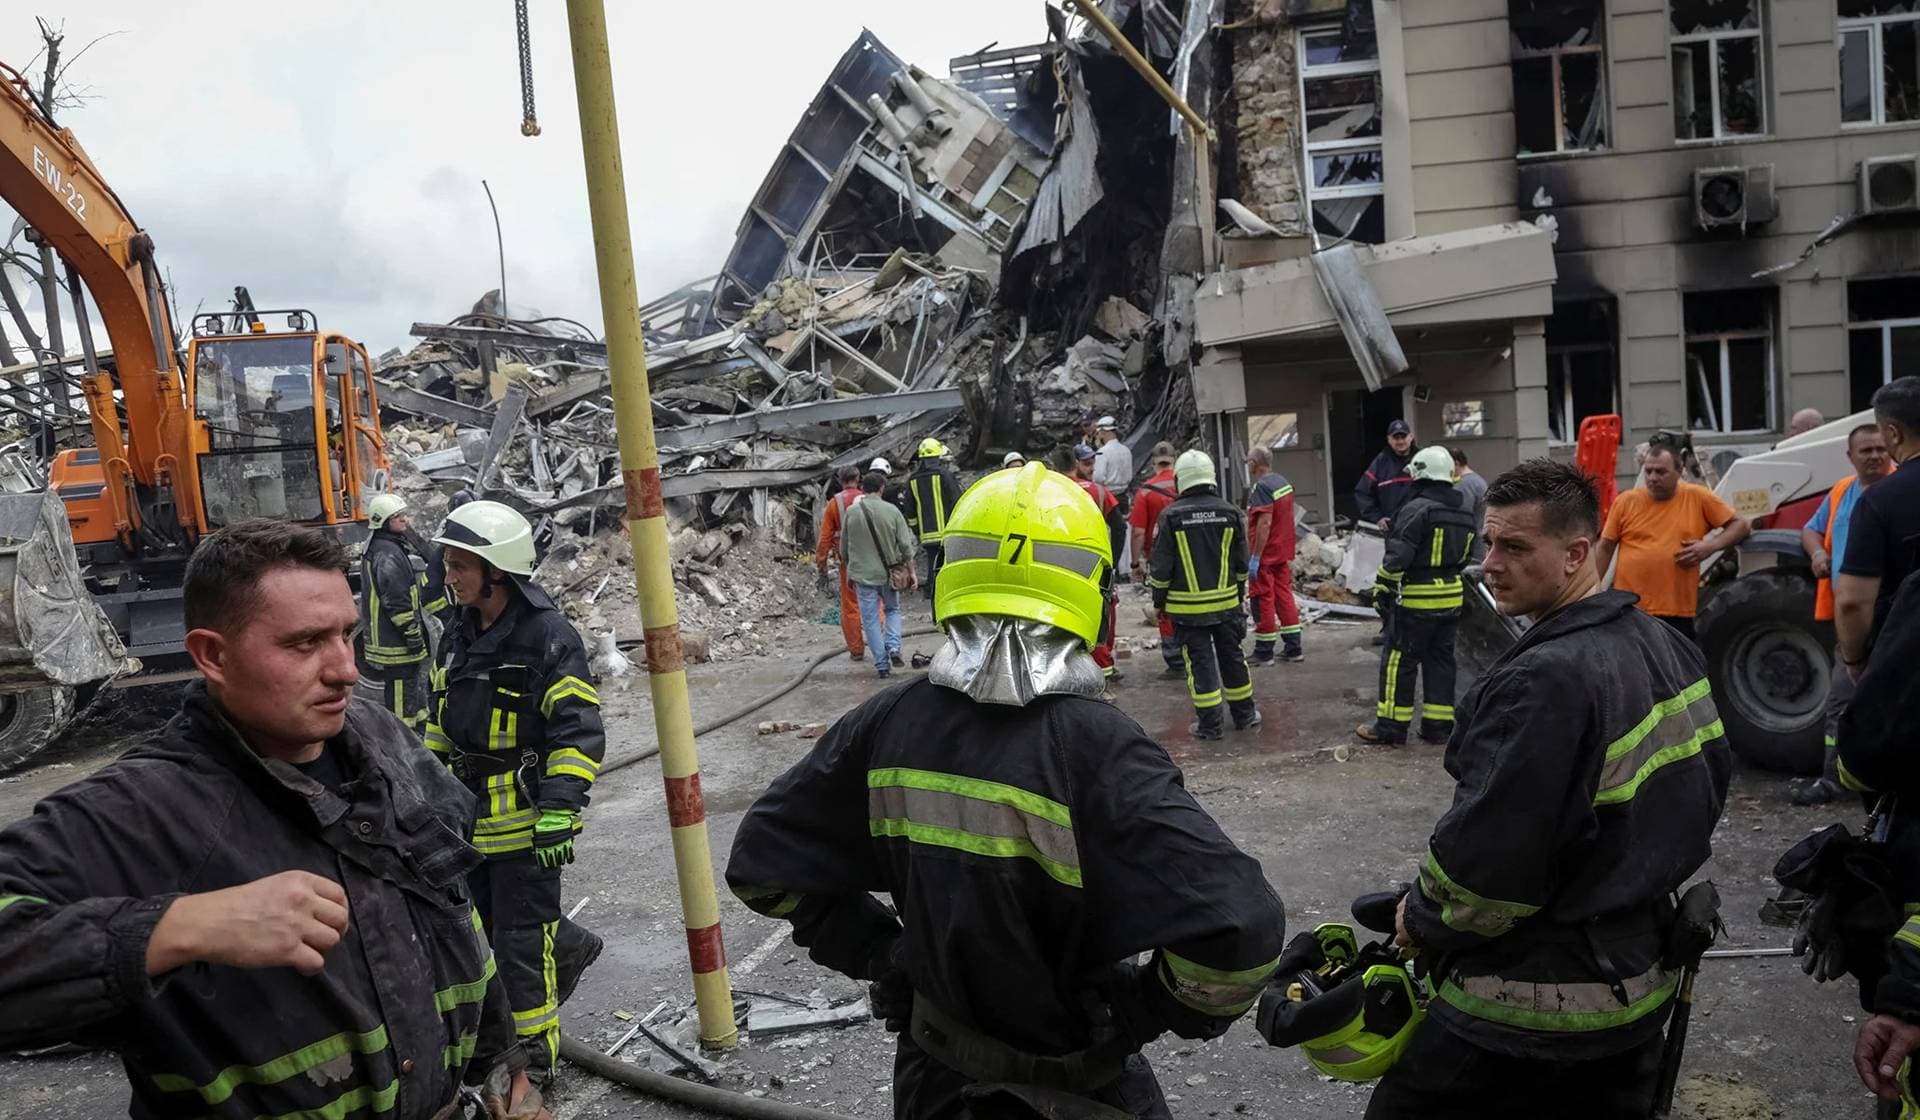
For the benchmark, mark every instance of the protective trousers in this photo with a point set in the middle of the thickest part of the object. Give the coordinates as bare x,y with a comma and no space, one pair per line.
1217,670
404,692
1442,1076
850,624
936,558
1418,641
1276,615
539,953
1169,646
924,1089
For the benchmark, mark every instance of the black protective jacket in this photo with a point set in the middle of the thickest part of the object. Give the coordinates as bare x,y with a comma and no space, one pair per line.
394,602
407,1006
1429,545
516,714
931,492
1029,851
1591,769
1385,486
1199,562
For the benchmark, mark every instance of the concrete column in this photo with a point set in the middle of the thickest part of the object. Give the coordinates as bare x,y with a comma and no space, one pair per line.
1530,388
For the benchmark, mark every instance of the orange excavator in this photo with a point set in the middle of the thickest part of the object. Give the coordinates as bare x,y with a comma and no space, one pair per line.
247,421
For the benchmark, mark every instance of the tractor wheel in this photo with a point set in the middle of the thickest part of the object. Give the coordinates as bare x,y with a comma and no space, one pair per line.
1769,662
29,721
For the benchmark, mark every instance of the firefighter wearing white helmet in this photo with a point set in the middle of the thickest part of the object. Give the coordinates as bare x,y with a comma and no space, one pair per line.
1005,739
516,716
932,490
1429,545
394,603
1199,578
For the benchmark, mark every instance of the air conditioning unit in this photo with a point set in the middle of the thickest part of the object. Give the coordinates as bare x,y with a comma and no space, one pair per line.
1732,196
1890,184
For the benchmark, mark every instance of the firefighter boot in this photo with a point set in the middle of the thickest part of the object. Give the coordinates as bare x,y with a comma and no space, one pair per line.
575,948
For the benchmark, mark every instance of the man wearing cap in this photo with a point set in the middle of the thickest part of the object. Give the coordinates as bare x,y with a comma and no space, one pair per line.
832,524
1033,842
932,490
1430,545
1199,576
893,492
1149,502
1379,494
1113,469
393,609
1109,507
516,716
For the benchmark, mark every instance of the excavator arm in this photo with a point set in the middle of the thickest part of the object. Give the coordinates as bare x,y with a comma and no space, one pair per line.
48,179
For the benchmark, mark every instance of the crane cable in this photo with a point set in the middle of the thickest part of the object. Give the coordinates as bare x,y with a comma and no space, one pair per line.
529,124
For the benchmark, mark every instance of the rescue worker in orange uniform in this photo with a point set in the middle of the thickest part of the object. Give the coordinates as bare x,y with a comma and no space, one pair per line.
829,545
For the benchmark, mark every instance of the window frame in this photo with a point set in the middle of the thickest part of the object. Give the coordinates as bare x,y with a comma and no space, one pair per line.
1723,388
1885,327
1602,94
1712,40
1310,150
1557,355
1875,27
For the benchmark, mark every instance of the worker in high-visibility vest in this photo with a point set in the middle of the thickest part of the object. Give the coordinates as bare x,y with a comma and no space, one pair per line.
932,490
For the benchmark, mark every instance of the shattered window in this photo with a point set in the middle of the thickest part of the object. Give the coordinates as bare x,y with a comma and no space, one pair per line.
1717,87
1275,431
1559,75
1340,107
1580,366
1729,360
1883,334
1879,62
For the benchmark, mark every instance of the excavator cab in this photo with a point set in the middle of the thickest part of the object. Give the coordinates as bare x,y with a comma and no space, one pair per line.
285,424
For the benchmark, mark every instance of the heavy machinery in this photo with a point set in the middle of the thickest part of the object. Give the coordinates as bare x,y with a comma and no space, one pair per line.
247,422
1768,658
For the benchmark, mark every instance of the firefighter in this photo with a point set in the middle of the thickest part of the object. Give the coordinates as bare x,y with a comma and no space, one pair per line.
1379,494
260,908
1270,571
1199,577
1033,840
1430,545
932,490
517,718
1149,501
394,604
1590,771
829,545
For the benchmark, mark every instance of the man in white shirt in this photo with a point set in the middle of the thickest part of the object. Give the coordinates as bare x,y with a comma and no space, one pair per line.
1113,469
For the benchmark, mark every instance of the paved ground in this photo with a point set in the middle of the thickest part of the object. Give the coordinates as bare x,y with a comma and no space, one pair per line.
1326,825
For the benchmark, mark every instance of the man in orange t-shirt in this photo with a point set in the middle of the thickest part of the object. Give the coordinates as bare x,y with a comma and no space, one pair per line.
1662,534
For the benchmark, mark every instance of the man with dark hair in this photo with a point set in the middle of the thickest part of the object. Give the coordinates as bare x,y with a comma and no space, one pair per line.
1590,771
829,545
1825,540
1663,533
1883,544
263,909
1473,491
874,540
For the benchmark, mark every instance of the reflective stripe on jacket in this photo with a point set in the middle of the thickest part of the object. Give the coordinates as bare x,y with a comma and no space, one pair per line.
1430,544
1385,486
393,602
931,493
1028,850
1199,562
1591,770
1823,589
408,1006
1272,497
515,712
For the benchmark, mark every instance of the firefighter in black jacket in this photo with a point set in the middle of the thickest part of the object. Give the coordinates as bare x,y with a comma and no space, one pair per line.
1199,577
516,716
1032,838
394,604
1383,488
1591,769
1427,549
932,491
264,908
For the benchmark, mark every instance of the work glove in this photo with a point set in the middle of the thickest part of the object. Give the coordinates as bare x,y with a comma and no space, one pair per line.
1253,568
1817,939
823,584
553,837
890,995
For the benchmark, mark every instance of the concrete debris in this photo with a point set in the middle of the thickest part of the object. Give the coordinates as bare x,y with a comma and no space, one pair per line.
765,1021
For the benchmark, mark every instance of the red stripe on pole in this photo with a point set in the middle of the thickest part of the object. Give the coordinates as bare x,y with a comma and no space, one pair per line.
643,494
665,653
685,805
705,948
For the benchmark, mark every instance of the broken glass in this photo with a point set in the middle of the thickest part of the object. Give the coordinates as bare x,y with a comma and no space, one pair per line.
1583,104
1856,76
1344,108
1859,9
1334,47
1362,219
1542,25
1347,169
1699,17
1900,44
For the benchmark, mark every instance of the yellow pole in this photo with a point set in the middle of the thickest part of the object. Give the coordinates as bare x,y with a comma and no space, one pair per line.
647,520
1140,64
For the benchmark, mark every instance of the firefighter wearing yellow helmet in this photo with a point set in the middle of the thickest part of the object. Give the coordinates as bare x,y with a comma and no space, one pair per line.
517,718
1199,578
932,491
1022,826
395,599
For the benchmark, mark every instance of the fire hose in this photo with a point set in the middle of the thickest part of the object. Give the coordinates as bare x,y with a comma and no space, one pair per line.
722,1101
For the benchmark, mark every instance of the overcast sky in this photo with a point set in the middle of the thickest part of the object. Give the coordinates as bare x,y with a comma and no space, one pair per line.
329,155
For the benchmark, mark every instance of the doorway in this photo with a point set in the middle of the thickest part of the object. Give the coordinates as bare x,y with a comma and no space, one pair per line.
1357,431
